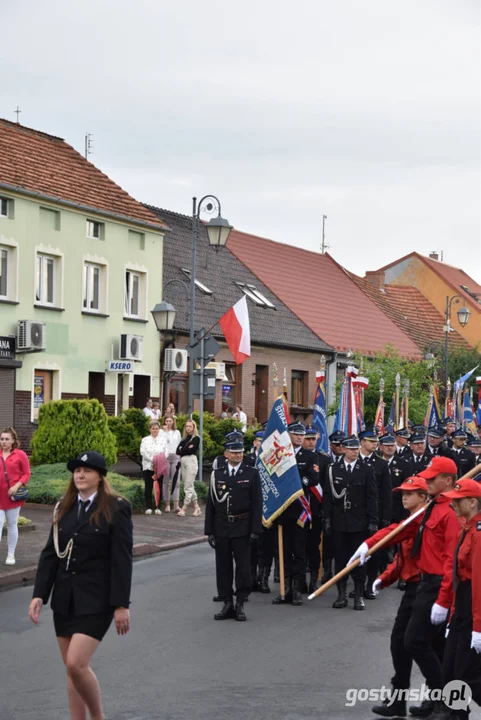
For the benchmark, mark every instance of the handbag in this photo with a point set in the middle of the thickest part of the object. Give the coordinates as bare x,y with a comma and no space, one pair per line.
22,492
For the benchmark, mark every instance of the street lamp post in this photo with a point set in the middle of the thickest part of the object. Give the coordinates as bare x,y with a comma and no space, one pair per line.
463,318
218,230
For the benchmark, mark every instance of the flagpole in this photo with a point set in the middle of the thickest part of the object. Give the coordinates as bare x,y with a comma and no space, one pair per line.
361,373
407,386
280,536
396,407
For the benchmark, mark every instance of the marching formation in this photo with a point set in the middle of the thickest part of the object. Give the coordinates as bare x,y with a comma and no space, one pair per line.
403,489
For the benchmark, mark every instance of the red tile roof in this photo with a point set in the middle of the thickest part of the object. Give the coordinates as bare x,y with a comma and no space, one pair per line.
34,161
322,295
452,275
412,312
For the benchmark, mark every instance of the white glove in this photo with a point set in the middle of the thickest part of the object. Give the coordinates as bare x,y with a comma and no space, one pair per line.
438,614
476,641
376,586
447,632
361,553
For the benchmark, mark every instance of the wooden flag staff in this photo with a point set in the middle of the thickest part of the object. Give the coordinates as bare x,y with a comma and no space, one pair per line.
349,568
280,537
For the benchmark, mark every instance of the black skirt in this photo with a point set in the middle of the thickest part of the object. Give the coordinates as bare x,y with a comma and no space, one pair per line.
94,625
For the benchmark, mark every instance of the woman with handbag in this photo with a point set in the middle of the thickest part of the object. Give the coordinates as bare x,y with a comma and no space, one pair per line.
88,562
14,475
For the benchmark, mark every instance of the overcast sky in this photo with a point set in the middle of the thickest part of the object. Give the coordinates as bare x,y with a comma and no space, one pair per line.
365,111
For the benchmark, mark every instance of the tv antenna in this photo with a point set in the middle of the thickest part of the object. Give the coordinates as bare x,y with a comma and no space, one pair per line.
324,246
88,144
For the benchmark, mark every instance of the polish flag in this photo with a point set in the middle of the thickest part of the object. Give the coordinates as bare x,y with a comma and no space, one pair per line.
236,329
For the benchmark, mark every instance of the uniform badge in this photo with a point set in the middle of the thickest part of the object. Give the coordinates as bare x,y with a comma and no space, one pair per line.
84,458
316,468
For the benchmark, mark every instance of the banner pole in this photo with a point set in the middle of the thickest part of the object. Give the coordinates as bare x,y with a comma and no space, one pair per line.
280,543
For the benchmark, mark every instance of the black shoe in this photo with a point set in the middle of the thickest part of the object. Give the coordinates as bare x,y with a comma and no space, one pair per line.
264,584
401,585
239,611
279,600
326,577
369,595
296,594
424,710
217,598
395,709
352,594
358,601
442,712
312,586
227,611
341,601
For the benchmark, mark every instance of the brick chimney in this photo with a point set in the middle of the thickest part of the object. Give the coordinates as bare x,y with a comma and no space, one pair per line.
376,278
434,255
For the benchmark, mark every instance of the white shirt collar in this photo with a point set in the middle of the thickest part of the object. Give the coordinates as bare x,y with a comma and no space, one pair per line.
351,464
296,450
89,500
233,468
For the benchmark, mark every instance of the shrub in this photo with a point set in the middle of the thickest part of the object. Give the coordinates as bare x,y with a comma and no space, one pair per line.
67,427
214,433
129,428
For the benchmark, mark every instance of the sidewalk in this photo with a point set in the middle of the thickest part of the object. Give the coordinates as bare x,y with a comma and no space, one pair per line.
152,534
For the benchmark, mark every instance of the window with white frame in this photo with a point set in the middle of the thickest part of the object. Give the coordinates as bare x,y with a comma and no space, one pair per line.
4,262
135,288
5,207
47,279
201,286
94,287
95,229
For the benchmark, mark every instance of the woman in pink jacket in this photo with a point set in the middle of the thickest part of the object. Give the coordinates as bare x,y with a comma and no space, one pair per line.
14,472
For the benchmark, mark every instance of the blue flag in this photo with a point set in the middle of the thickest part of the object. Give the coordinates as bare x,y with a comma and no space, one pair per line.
392,416
469,424
478,412
277,466
319,418
458,385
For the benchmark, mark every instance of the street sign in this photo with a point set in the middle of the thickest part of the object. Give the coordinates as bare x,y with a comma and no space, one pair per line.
209,384
211,347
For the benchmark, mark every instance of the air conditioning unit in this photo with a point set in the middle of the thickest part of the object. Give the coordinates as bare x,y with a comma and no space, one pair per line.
31,336
175,360
131,347
219,368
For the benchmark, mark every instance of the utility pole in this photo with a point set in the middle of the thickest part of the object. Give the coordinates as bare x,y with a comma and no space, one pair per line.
323,245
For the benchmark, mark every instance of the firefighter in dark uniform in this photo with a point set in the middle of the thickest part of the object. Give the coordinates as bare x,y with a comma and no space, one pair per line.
233,519
336,453
399,471
437,444
315,531
474,444
420,455
369,442
402,442
464,458
449,427
335,448
350,514
263,550
294,534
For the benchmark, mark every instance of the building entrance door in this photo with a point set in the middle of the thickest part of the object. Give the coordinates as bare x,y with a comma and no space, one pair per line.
262,393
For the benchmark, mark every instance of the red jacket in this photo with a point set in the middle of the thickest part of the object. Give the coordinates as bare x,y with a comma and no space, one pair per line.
469,566
403,566
18,470
437,547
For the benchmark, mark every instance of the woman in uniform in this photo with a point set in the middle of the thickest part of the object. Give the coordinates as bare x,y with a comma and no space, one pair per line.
87,561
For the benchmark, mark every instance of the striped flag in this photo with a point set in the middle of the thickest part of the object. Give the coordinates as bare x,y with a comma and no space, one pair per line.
319,414
379,419
392,416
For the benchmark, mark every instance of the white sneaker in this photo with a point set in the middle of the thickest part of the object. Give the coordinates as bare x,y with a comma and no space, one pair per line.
148,512
10,560
157,512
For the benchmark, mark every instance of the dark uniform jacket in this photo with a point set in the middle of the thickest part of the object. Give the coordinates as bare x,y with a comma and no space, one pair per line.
323,462
403,452
237,509
420,464
99,574
308,464
384,489
399,470
250,458
443,450
358,507
465,460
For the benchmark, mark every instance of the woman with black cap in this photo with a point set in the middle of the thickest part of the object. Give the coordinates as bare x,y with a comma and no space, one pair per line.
88,562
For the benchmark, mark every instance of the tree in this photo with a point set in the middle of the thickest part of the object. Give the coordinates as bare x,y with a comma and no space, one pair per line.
68,427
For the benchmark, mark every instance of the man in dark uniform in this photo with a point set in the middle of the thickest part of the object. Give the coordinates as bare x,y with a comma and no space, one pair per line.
369,442
464,458
233,519
335,448
250,458
402,441
449,428
294,535
350,514
315,531
474,444
399,471
420,456
437,445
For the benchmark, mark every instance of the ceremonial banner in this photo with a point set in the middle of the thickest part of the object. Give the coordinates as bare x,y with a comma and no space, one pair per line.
319,414
379,419
433,414
392,416
277,466
468,416
359,384
478,411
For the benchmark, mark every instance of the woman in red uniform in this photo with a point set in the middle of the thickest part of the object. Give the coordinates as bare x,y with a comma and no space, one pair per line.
462,655
14,473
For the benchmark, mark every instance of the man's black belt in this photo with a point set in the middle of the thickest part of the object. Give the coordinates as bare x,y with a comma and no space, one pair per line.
430,576
234,518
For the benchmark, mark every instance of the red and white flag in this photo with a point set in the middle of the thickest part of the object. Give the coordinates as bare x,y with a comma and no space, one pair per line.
236,329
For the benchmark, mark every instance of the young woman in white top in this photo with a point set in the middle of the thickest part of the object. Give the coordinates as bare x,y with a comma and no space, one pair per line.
156,414
151,445
172,438
241,417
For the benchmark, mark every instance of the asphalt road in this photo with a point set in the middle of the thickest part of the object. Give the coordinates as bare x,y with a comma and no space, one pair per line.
178,664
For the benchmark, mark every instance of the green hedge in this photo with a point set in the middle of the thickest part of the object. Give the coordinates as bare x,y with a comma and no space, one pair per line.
48,483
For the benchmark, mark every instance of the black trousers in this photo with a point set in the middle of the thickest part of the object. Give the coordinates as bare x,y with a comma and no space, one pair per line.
461,662
313,542
423,640
401,659
266,547
228,551
345,545
327,553
149,484
294,537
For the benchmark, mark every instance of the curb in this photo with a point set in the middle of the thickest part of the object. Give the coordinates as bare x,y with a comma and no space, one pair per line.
26,576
